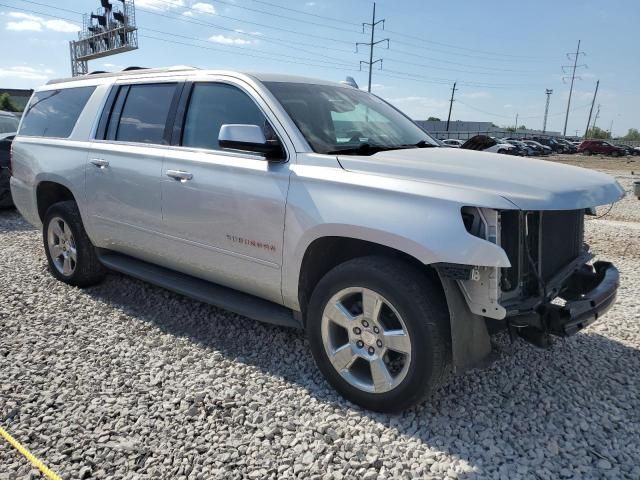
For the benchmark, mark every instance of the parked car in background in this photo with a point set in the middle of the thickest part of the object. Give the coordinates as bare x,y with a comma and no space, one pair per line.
8,127
600,147
239,190
630,149
569,146
538,147
452,142
521,149
484,143
553,144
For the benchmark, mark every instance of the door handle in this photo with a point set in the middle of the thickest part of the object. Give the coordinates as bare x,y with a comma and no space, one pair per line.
99,162
179,175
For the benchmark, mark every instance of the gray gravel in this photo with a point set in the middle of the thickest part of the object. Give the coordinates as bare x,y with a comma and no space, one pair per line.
126,380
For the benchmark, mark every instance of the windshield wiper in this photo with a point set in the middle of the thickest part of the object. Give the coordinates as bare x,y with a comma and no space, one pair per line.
368,149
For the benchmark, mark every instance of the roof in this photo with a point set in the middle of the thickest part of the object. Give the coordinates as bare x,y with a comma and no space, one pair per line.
124,73
138,72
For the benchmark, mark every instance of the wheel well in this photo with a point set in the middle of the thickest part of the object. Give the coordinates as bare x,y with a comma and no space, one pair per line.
49,193
328,252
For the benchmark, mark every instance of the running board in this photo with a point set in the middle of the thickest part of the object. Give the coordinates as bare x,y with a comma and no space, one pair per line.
201,290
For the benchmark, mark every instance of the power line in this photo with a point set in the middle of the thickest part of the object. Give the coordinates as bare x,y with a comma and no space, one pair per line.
448,81
372,44
238,47
297,46
459,54
293,32
302,12
573,76
272,58
263,55
264,12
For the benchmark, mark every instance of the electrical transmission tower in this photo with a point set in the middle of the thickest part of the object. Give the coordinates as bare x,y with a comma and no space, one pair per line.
453,92
546,110
586,132
372,44
574,57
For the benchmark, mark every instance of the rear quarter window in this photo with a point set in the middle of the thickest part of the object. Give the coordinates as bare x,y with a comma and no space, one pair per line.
54,113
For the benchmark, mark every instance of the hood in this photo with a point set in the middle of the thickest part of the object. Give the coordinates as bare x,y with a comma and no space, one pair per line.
528,184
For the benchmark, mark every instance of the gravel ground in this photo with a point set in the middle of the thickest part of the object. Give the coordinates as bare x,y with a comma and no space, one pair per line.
125,380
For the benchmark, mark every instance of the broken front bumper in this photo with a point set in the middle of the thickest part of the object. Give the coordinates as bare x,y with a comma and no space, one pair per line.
589,293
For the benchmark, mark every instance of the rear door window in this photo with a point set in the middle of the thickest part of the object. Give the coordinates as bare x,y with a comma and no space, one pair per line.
54,113
144,113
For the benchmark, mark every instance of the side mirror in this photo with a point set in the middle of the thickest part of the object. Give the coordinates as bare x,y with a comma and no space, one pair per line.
249,138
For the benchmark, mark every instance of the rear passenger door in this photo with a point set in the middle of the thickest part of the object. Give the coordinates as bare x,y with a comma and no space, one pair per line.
125,166
225,218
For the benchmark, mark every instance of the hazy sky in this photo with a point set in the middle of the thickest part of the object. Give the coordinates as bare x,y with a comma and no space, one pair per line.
503,54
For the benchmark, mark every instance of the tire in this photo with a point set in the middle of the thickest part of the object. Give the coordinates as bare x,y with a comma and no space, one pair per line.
587,153
413,302
71,255
501,151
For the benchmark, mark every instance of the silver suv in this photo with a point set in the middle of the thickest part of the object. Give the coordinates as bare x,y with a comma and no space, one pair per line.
316,205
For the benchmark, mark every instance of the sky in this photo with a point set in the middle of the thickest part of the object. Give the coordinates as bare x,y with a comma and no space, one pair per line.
503,55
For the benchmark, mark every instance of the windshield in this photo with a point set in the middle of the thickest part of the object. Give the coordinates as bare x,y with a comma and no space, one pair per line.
8,124
337,119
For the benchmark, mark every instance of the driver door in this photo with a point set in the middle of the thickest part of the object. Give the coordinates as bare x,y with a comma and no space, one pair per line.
223,210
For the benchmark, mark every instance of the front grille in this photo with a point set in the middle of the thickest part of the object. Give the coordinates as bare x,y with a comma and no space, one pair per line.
555,239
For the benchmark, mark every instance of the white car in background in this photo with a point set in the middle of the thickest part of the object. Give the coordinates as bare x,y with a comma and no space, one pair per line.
484,143
452,142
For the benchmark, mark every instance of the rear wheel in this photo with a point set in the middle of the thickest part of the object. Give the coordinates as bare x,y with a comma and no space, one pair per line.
379,332
71,255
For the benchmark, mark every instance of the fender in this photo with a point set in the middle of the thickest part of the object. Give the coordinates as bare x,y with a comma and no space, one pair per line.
426,228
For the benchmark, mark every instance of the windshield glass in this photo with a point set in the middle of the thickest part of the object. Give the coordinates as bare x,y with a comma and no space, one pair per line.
337,119
8,124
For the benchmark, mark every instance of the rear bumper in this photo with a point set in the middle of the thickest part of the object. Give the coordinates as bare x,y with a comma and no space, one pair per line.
590,293
25,201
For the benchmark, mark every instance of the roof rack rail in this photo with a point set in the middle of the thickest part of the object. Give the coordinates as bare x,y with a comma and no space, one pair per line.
127,71
132,68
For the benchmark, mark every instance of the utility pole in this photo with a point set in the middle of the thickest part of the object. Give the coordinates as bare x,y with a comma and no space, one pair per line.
546,110
611,130
593,127
573,76
516,130
453,92
372,44
591,110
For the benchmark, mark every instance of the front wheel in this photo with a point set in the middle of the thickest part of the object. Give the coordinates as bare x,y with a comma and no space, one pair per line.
587,153
379,332
71,255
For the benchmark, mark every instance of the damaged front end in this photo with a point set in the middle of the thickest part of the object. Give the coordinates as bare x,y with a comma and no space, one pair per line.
551,288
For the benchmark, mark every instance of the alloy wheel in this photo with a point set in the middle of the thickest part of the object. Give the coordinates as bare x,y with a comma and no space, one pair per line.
366,340
62,246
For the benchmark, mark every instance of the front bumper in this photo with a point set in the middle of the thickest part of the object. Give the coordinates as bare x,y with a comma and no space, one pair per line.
589,293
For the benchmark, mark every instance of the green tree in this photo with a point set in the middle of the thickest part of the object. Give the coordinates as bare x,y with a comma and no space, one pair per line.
632,135
433,119
7,104
597,132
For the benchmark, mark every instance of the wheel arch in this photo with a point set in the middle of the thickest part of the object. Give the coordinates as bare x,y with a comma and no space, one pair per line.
327,252
49,192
